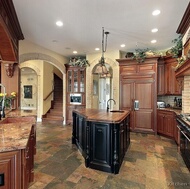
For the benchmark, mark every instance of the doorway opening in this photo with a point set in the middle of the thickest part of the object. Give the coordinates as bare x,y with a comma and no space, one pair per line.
102,89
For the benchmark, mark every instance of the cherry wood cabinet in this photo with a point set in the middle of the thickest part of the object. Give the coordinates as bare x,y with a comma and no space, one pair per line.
9,168
165,123
138,83
17,166
172,86
76,85
161,78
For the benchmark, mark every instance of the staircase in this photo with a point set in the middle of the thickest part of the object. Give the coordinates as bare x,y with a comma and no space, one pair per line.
56,112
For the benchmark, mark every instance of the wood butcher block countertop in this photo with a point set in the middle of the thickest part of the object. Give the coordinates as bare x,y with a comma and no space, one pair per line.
98,115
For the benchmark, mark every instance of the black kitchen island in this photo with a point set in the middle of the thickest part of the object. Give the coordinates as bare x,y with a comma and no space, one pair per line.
102,137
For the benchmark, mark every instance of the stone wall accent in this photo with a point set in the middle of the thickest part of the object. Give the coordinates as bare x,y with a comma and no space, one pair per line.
186,95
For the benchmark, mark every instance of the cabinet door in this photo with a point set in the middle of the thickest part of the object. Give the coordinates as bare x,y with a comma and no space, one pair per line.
122,141
165,123
10,166
144,93
172,86
161,76
168,125
160,122
101,141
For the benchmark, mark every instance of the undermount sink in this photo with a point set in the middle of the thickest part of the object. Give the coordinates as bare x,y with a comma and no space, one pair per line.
18,119
117,111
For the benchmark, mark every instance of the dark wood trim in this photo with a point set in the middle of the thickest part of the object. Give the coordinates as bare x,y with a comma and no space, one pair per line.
183,70
185,22
8,13
10,31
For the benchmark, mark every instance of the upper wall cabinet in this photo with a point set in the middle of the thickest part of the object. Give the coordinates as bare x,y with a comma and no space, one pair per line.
161,77
172,86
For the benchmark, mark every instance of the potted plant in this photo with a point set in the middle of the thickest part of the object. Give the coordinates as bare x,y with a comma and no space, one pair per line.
140,55
177,49
78,62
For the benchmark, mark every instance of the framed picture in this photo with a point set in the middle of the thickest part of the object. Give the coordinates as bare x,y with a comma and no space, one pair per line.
27,91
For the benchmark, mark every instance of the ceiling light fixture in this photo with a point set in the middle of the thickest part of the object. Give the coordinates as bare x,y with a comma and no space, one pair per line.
59,23
156,12
122,45
97,49
153,41
100,68
154,30
74,52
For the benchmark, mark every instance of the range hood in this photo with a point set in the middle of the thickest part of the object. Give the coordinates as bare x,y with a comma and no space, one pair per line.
183,70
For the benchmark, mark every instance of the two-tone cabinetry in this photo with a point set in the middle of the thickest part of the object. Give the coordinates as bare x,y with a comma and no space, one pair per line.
76,87
102,144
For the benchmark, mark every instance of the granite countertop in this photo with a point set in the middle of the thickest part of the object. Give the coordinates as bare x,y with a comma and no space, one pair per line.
176,111
14,136
102,115
20,113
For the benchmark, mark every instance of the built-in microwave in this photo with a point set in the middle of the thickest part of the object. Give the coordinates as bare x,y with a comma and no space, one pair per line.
75,98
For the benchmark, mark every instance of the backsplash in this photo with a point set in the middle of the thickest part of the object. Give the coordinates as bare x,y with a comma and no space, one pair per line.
186,95
169,99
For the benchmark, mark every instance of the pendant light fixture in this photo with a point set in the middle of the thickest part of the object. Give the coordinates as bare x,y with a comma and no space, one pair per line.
100,68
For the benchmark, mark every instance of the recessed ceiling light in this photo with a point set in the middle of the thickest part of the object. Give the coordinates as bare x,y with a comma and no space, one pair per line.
154,30
74,52
122,45
153,41
97,49
59,23
156,12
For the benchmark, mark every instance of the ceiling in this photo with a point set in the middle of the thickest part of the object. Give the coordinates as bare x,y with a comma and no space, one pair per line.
129,22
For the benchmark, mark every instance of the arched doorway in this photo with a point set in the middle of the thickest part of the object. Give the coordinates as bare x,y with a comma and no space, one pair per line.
25,61
102,88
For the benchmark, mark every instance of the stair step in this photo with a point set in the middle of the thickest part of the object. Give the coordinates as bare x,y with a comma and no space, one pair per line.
55,113
55,117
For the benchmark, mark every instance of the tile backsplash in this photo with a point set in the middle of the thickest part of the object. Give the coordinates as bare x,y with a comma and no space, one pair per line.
168,99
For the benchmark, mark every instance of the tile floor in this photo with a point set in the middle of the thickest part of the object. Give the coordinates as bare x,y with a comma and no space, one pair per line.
152,162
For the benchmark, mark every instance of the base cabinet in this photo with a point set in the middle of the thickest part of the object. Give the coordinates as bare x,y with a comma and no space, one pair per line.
17,167
103,145
165,123
9,170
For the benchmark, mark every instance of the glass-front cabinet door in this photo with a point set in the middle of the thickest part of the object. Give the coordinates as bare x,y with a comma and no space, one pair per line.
81,80
69,81
76,80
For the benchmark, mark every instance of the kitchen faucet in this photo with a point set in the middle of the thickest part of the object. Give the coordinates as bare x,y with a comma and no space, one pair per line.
2,103
108,104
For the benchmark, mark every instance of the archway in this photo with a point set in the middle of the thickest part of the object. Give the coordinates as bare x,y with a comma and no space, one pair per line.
24,62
